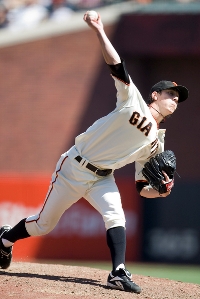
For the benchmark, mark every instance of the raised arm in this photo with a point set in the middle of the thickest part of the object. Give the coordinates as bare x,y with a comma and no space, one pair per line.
109,53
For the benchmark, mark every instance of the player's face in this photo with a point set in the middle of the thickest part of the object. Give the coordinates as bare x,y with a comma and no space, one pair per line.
168,101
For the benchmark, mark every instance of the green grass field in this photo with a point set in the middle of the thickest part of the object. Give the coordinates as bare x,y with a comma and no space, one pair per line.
184,273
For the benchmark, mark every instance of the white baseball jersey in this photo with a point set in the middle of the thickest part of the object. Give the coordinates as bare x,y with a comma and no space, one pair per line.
127,134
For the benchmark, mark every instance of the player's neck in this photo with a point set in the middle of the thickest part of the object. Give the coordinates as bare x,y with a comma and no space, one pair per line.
156,114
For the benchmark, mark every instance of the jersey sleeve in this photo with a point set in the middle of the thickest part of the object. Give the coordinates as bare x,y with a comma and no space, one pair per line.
127,93
119,71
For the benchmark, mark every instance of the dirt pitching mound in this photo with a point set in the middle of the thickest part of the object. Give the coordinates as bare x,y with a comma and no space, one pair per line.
32,280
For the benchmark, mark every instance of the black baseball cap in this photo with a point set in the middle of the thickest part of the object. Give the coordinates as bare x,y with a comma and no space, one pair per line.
162,85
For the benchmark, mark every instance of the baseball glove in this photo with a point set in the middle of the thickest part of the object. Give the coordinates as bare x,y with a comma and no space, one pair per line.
152,171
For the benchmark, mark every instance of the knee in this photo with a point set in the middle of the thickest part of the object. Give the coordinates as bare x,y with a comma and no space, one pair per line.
115,222
36,228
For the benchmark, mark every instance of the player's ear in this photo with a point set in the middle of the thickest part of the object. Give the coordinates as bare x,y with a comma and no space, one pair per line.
154,96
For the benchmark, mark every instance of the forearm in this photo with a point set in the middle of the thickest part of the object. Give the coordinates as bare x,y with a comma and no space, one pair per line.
109,53
149,192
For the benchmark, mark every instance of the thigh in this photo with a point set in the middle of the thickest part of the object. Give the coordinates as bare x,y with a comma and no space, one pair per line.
104,196
64,190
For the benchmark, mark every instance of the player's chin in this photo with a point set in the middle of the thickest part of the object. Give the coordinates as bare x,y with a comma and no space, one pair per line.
171,110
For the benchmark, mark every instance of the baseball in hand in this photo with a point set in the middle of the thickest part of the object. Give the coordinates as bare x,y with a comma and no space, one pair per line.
92,15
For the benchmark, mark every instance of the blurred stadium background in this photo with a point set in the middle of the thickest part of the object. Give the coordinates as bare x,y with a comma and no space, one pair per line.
54,84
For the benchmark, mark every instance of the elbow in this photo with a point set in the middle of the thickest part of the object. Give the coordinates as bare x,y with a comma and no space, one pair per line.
140,187
165,194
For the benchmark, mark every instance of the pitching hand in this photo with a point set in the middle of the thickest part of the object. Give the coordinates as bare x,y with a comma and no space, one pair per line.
94,24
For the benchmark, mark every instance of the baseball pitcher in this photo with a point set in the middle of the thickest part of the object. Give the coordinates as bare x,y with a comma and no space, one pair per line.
130,133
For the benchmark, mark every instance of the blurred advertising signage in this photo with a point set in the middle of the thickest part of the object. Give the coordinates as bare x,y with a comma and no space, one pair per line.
173,244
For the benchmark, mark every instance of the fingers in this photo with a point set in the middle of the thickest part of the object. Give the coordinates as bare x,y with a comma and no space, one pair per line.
90,20
167,179
169,183
85,17
96,25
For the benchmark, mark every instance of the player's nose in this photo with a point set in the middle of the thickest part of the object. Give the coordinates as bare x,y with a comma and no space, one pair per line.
175,99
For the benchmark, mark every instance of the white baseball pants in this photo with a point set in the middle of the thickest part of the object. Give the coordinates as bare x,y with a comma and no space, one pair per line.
70,182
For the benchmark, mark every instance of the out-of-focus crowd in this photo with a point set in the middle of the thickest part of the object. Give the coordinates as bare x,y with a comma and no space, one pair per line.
24,14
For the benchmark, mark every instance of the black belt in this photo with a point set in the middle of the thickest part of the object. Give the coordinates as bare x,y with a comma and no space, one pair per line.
94,169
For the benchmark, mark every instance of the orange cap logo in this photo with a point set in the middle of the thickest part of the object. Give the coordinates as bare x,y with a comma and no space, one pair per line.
175,84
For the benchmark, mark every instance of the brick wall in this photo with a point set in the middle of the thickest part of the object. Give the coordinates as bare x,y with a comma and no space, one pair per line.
43,96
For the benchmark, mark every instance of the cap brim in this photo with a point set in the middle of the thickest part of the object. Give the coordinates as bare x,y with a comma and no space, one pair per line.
183,92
